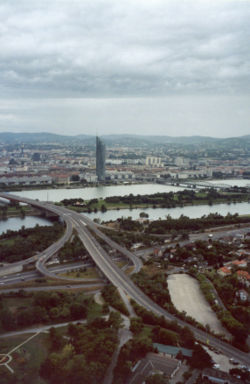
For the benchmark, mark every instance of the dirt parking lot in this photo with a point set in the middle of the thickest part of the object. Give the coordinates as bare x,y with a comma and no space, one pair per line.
187,296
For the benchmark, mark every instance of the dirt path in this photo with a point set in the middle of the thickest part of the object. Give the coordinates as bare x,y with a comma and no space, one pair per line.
186,296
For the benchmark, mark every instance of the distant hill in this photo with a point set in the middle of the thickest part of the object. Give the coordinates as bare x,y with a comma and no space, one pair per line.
125,140
41,137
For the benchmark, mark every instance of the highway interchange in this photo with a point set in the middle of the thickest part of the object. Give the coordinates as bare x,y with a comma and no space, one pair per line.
85,228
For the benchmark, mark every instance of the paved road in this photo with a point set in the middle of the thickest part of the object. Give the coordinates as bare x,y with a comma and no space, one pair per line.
44,328
194,377
193,237
124,335
95,286
50,251
31,275
119,279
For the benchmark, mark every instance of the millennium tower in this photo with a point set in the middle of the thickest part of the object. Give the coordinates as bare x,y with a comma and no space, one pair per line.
100,159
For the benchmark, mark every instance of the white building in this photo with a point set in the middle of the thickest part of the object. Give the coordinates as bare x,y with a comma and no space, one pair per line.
152,161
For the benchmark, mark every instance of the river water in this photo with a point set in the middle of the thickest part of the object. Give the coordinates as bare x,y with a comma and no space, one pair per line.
16,223
88,193
59,194
190,211
232,182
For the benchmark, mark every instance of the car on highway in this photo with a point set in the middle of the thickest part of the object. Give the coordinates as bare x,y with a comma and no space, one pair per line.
233,361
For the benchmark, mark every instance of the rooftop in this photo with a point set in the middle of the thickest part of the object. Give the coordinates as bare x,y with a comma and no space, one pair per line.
173,351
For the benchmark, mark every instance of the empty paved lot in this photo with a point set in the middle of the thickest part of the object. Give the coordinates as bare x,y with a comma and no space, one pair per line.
186,296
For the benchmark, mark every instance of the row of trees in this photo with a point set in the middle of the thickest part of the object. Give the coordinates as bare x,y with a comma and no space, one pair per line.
155,287
186,223
44,307
237,317
113,298
22,244
170,199
158,330
83,355
73,250
127,239
162,199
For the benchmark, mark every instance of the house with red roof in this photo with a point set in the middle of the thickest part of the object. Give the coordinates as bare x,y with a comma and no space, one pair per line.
244,277
224,271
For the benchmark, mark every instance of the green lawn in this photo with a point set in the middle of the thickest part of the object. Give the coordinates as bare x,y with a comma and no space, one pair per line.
26,360
94,310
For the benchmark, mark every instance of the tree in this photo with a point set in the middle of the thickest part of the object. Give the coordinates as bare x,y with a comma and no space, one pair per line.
136,325
143,215
187,337
103,208
115,320
156,379
56,339
75,178
200,358
78,311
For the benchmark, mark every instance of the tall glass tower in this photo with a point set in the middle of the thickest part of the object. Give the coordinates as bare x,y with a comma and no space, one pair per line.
100,159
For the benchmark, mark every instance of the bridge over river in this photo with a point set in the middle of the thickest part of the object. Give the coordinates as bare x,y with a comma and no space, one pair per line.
198,184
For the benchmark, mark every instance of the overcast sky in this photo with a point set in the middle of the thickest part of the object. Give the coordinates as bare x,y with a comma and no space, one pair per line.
171,67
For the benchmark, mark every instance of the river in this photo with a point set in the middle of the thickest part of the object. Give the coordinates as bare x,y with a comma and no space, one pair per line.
59,194
16,223
192,211
232,182
88,193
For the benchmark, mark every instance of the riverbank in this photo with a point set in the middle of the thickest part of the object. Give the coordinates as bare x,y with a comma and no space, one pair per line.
104,206
153,214
168,200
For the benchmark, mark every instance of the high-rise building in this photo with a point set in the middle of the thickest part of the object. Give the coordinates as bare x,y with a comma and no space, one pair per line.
100,159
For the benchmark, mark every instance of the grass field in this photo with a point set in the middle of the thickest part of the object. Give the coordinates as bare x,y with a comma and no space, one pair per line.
28,358
90,273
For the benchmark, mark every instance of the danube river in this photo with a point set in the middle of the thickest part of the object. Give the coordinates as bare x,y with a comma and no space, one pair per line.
16,223
56,195
59,194
191,211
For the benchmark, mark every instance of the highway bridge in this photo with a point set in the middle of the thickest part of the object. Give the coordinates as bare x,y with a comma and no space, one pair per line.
67,217
198,184
118,278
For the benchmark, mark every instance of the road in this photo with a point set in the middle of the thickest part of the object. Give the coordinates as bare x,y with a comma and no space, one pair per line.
44,328
31,275
91,287
193,237
50,251
118,278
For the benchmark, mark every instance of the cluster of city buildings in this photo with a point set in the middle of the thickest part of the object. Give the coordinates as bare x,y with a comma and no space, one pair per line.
47,165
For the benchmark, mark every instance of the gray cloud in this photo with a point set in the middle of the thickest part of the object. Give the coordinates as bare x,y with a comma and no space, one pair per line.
165,66
124,48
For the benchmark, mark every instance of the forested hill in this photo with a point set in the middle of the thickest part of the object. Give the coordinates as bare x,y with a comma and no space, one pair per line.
126,140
